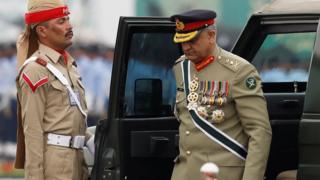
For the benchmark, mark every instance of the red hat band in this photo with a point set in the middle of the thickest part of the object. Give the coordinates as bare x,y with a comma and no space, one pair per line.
45,15
193,25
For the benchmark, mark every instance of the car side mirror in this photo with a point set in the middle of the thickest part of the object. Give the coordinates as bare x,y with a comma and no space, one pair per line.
148,97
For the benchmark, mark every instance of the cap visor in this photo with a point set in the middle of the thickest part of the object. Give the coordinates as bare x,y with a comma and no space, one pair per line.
184,37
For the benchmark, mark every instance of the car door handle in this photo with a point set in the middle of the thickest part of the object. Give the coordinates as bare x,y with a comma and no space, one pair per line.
290,103
157,143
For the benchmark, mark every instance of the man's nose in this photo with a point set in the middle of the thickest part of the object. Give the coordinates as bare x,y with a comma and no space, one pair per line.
69,25
186,46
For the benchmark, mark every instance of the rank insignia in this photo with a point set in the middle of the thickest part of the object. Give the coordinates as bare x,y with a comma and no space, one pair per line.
34,86
251,83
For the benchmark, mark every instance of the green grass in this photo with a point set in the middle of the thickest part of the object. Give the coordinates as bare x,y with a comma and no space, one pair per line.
7,170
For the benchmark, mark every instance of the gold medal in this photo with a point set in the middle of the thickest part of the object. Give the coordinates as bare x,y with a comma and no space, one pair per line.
193,86
211,100
218,116
193,97
220,101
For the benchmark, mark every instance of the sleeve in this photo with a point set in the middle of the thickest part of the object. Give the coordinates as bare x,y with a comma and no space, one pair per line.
33,102
252,111
179,89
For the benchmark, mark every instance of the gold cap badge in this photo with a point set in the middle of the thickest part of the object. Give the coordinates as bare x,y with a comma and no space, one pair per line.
179,25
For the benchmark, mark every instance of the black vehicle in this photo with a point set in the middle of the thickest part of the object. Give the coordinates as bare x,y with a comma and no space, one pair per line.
139,139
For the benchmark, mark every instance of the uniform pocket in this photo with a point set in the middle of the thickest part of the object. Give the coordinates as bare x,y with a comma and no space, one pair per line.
58,93
57,161
57,85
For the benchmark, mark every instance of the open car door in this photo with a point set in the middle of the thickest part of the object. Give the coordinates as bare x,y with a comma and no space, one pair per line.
309,130
281,47
139,140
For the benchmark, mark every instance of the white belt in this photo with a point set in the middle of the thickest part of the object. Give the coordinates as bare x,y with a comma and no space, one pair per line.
76,142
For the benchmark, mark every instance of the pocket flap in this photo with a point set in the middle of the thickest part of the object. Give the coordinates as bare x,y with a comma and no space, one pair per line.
56,84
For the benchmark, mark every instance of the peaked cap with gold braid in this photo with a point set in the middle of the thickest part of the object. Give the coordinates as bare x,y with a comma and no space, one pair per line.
189,23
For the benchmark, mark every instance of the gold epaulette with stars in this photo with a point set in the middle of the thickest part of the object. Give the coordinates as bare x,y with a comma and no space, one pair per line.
231,62
181,58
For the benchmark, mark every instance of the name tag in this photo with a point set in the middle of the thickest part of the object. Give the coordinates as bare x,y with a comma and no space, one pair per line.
72,100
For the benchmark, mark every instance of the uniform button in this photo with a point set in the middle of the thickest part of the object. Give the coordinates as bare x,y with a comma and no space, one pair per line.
188,152
187,133
231,62
219,57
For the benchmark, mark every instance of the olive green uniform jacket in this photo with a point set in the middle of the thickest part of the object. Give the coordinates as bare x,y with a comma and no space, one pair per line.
246,121
44,107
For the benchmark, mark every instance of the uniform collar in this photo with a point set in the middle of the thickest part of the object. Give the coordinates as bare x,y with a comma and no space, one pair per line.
205,62
53,55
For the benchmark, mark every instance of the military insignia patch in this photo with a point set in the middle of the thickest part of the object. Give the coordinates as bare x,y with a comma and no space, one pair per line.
34,86
251,83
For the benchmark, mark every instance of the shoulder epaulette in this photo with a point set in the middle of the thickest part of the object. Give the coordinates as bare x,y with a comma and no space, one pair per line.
42,62
230,61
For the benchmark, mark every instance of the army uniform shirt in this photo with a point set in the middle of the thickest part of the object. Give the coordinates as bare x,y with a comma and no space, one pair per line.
236,85
45,107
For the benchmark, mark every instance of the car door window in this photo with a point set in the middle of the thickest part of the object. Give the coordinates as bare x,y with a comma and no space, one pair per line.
151,58
285,57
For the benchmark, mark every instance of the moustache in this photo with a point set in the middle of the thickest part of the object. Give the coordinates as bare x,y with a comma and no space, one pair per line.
70,33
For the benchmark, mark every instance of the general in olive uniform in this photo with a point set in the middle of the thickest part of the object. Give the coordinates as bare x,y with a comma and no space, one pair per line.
51,98
220,105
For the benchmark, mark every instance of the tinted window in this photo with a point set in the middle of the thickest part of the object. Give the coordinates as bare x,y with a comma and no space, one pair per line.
285,57
150,84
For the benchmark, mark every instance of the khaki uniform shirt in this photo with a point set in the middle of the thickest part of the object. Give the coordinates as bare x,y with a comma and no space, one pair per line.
45,108
246,121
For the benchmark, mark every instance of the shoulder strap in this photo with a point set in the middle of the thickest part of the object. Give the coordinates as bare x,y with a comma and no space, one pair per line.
207,128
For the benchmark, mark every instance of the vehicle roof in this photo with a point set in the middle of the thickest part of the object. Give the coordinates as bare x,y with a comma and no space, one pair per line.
291,7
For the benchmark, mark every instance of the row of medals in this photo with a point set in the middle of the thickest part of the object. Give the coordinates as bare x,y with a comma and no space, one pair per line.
207,101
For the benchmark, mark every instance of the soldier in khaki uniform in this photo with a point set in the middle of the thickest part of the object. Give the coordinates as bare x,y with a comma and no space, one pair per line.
51,98
220,105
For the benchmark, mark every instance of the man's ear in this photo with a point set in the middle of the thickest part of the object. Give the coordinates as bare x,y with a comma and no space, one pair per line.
212,36
41,31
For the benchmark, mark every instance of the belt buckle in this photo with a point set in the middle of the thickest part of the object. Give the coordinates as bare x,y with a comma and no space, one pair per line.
77,142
